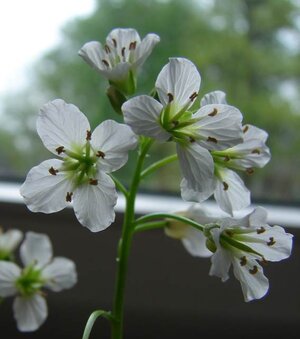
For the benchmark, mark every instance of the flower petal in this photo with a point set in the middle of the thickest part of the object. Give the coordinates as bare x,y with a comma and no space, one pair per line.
181,79
144,49
219,126
142,115
114,140
61,125
231,194
9,273
220,264
194,242
30,312
37,249
10,240
43,191
121,38
60,274
215,97
189,194
93,53
94,204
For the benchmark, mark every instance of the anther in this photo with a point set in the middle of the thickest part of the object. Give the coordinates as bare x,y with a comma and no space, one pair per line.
93,182
69,196
191,139
123,52
271,242
175,123
249,171
132,45
52,170
100,154
260,230
229,233
253,270
107,49
243,261
227,158
88,135
263,261
213,113
105,62
60,149
114,42
256,151
212,140
171,97
225,186
193,96
245,129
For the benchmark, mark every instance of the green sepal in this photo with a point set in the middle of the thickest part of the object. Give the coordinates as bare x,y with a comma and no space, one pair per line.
116,98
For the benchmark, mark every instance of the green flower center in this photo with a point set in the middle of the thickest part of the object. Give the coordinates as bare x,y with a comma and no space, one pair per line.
30,281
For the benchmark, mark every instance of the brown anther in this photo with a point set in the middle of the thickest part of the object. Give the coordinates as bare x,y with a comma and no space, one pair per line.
256,151
193,96
105,62
52,170
114,42
271,242
227,158
229,233
243,261
93,182
263,261
249,171
211,139
225,186
245,129
253,270
170,96
60,149
260,230
100,154
175,123
88,135
107,49
132,46
69,196
123,51
213,113
191,139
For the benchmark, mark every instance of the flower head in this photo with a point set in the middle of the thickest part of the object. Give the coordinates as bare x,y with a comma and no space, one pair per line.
121,55
9,241
40,271
80,175
212,127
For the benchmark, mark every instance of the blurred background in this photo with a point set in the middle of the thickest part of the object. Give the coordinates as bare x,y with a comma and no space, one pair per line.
248,48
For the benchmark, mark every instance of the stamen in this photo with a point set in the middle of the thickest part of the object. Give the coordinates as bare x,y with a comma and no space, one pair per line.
229,233
123,52
132,46
253,270
114,42
60,149
105,62
249,171
93,182
213,113
243,261
100,154
212,139
175,123
107,49
260,230
263,261
256,151
193,96
271,242
245,129
171,97
52,171
191,139
225,186
227,158
69,196
88,135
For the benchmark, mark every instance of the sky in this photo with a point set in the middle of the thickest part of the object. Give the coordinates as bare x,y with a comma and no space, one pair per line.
28,28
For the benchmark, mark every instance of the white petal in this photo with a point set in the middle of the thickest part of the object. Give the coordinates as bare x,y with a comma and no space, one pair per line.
114,140
144,49
189,194
219,130
195,243
94,204
61,124
9,273
60,274
254,133
93,53
258,217
197,168
215,97
142,115
36,248
220,264
231,194
123,38
254,286
180,78
44,192
10,240
30,312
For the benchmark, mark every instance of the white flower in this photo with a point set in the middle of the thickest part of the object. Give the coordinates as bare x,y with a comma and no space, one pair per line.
40,270
80,175
212,127
246,244
119,58
9,241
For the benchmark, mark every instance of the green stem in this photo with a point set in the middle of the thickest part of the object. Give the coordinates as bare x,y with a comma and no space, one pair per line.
119,185
150,226
152,216
124,245
158,164
90,323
